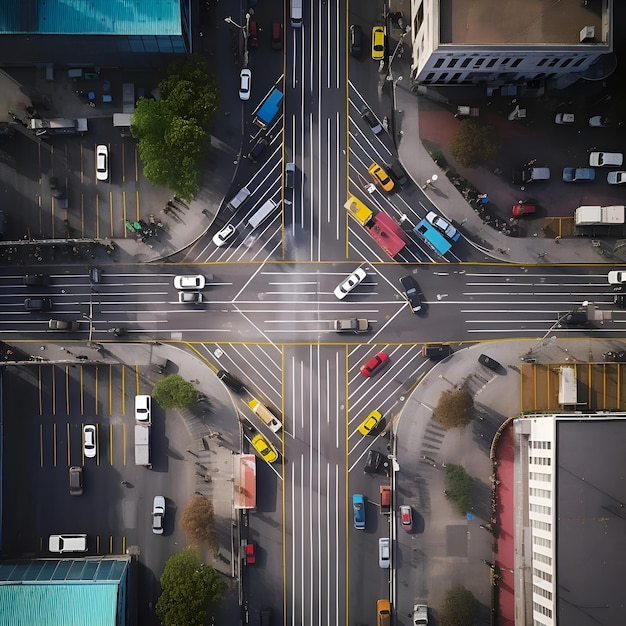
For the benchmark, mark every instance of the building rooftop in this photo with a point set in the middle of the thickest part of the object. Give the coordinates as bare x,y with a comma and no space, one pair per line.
591,511
511,22
83,17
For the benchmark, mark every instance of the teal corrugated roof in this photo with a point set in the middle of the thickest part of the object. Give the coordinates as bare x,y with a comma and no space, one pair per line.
54,604
86,17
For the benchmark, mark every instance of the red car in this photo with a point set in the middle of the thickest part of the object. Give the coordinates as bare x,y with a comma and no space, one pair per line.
250,554
406,517
521,208
374,364
253,34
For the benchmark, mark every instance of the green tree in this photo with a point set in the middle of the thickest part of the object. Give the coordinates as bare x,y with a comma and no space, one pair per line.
459,486
455,408
459,608
474,143
174,392
198,523
173,131
191,590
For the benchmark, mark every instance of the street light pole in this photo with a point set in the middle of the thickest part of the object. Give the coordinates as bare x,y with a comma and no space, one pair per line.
245,31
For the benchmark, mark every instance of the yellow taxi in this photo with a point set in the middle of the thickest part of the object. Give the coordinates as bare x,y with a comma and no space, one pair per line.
370,422
380,177
265,449
378,43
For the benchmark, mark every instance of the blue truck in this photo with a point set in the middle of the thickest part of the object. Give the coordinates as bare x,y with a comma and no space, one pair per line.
269,109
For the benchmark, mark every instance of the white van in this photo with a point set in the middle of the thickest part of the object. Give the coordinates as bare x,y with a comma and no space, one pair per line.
260,410
296,13
262,214
67,543
239,199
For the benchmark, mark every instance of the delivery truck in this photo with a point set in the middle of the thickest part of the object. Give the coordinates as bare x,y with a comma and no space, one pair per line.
142,445
59,126
269,109
260,410
599,215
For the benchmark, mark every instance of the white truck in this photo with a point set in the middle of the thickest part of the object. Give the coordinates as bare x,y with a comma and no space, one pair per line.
599,215
260,410
353,325
142,445
59,126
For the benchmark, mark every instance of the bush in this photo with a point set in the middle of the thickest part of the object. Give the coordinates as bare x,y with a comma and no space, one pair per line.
474,143
174,392
459,608
455,408
459,488
198,523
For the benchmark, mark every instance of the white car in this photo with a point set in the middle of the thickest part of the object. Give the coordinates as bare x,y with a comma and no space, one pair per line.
356,278
616,178
420,615
617,278
102,162
143,409
158,515
189,282
606,159
222,237
384,552
89,440
598,121
245,80
443,225
564,118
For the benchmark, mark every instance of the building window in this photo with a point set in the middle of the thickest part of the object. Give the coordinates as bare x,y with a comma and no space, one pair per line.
492,62
516,62
456,77
479,62
505,61
579,62
466,62
542,62
444,76
566,62
439,62
453,62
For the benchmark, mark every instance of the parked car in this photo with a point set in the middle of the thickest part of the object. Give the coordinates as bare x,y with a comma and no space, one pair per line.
375,364
76,481
384,552
406,517
290,175
258,149
373,462
250,553
38,304
189,282
522,208
371,120
143,409
616,178
358,511
575,318
443,225
436,351
245,83
102,162
420,615
578,174
617,277
411,293
265,449
370,422
89,440
378,43
63,325
564,118
277,36
189,297
397,173
487,361
223,236
606,159
68,543
355,279
37,280
158,515
380,177
230,381
598,121
355,40
253,35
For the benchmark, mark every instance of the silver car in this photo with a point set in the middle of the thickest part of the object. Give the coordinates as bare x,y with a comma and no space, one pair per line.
384,552
158,515
356,278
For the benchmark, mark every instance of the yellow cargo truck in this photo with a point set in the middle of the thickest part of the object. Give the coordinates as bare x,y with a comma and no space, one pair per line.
265,414
359,211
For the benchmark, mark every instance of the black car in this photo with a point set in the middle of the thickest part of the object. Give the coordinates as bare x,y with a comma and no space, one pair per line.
412,293
38,304
356,37
397,173
37,280
230,381
487,361
368,116
575,318
619,299
257,149
290,175
436,351
373,462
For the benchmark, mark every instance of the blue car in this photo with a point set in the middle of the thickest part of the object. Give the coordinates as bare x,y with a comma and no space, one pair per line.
358,506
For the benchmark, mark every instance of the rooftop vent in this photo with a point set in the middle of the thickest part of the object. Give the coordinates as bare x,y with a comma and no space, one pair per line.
588,33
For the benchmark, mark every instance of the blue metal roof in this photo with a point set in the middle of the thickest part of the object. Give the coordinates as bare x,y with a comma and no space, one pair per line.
85,17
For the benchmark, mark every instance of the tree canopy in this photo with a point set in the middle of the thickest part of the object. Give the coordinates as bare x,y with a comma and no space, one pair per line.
173,131
474,143
455,408
174,392
459,488
459,608
198,523
191,590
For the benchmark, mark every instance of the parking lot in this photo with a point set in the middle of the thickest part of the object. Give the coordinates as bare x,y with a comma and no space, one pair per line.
46,407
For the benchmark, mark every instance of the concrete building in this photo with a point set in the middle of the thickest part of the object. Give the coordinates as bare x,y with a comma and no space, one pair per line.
517,47
570,499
